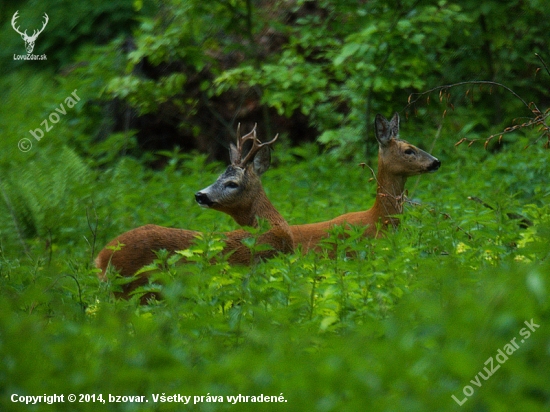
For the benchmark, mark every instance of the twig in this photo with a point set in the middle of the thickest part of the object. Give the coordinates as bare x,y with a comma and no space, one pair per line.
470,82
543,63
539,118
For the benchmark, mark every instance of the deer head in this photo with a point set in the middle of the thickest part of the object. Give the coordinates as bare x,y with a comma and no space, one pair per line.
238,190
29,40
398,157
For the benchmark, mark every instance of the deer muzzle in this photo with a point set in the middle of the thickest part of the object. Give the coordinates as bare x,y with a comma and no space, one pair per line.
203,200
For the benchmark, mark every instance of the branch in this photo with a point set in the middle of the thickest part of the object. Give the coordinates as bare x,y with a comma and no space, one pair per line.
471,82
538,119
543,63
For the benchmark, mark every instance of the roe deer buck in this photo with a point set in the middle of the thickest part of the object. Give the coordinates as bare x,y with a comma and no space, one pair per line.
397,160
237,192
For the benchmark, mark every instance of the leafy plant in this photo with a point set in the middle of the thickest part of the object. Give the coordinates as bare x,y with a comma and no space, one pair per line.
405,322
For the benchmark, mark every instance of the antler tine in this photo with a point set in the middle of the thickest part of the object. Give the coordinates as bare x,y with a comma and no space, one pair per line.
241,141
239,136
271,141
249,136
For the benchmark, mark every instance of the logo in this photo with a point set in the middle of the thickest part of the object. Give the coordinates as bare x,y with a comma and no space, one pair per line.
29,40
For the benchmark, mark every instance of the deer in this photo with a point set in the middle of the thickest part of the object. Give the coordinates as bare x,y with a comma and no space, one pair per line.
238,192
29,40
397,160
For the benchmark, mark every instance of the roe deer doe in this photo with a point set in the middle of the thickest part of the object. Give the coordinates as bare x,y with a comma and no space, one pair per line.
397,160
237,192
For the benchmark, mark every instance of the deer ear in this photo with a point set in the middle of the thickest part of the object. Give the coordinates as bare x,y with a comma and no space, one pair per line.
262,160
384,130
394,125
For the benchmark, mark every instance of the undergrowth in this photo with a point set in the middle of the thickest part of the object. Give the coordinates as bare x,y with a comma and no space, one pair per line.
400,323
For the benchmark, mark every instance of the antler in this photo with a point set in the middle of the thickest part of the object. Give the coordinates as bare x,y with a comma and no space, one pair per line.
15,17
256,145
35,32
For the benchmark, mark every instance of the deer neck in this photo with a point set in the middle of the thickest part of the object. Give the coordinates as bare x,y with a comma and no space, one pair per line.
389,193
262,208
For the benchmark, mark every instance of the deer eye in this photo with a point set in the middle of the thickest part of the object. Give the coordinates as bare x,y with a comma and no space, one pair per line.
231,185
409,152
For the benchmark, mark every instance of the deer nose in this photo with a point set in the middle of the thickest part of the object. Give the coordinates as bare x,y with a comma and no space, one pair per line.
435,165
203,199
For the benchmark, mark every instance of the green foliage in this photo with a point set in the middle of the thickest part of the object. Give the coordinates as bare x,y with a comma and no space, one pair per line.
407,320
400,323
339,62
50,189
335,63
367,58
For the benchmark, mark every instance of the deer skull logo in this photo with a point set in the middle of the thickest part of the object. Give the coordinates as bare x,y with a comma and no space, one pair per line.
29,40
